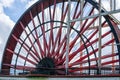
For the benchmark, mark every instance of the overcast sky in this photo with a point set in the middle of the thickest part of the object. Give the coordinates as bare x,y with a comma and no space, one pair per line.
10,12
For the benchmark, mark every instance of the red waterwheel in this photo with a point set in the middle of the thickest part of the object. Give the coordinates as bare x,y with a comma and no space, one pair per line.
37,44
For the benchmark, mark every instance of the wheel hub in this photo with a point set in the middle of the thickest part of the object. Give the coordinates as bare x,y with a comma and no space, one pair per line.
45,66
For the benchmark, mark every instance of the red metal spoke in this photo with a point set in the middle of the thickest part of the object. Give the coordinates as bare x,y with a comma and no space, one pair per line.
43,31
51,38
62,44
96,40
19,67
75,16
72,24
71,56
93,59
59,56
27,49
62,19
109,62
54,10
88,26
60,29
27,46
90,53
84,24
81,48
73,42
41,50
24,58
38,42
74,69
37,55
86,61
76,9
76,38
94,67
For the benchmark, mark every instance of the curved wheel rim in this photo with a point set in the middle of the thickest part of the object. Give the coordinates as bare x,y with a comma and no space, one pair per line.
41,33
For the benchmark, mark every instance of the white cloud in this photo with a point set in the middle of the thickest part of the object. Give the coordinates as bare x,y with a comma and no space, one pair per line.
30,3
6,24
5,21
1,8
6,3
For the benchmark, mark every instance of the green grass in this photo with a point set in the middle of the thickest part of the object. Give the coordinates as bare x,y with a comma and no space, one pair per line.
36,78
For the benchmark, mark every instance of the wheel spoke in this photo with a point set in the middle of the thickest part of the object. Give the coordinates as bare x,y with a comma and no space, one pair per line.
30,41
24,58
